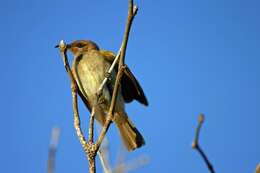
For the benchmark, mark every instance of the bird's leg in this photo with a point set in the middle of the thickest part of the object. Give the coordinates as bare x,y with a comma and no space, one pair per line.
99,94
124,67
100,98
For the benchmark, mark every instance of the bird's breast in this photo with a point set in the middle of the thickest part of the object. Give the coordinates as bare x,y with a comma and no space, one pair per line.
91,71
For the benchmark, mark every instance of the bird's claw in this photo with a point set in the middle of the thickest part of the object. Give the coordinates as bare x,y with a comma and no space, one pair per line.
100,98
99,95
124,67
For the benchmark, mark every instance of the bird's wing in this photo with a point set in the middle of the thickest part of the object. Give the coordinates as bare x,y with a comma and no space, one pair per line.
85,100
131,89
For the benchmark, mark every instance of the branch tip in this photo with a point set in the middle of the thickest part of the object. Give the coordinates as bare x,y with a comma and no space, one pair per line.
201,118
135,9
62,46
195,144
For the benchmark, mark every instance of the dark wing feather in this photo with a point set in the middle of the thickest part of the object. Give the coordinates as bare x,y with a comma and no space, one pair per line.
131,89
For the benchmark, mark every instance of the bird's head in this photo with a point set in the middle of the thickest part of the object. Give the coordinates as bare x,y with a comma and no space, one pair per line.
82,46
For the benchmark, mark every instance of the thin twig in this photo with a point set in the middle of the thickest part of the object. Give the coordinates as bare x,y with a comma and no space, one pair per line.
109,71
196,146
123,46
55,135
103,153
132,10
131,165
88,147
74,88
91,126
257,168
121,166
63,52
103,160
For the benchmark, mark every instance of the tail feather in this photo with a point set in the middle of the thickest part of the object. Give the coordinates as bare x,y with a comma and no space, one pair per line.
131,137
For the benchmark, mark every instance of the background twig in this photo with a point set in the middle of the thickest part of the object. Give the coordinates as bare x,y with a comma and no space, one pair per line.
196,146
121,165
127,166
104,161
55,135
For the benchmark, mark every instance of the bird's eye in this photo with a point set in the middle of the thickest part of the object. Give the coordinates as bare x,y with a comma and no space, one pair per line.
80,45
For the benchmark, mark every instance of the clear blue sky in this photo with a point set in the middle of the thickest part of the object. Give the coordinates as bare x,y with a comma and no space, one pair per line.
190,57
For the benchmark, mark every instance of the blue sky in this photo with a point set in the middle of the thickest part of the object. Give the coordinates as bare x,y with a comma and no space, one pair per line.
190,57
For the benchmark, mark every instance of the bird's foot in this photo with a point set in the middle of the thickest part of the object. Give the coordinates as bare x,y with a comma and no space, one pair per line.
124,67
99,94
100,98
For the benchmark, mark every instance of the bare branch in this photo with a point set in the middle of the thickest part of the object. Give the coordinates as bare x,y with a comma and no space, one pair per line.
196,146
88,147
124,43
103,154
132,10
257,168
91,126
131,165
109,71
74,89
121,165
103,160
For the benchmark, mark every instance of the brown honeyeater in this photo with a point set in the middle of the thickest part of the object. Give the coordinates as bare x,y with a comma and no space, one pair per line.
89,68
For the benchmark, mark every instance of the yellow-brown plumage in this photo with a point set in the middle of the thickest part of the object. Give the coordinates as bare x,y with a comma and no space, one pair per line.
89,68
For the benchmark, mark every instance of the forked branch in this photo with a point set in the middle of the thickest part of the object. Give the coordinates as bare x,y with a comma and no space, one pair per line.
89,146
196,146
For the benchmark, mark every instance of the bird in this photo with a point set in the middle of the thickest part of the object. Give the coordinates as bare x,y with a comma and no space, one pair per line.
89,68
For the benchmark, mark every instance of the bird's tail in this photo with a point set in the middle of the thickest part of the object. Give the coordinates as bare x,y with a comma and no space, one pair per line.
131,137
